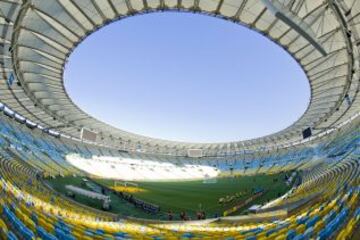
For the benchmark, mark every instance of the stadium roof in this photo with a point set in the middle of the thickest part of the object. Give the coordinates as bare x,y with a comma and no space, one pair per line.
38,36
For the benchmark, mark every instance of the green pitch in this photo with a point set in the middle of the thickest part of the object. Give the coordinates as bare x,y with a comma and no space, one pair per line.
188,196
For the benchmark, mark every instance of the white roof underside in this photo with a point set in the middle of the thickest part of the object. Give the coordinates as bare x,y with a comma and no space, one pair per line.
37,37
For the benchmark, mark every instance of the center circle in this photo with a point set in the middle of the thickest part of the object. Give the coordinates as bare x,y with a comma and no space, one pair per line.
186,77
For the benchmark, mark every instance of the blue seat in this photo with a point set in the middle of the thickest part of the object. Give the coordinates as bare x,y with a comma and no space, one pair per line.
290,234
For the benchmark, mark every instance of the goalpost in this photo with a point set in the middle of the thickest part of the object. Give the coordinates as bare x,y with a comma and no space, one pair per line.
208,180
124,184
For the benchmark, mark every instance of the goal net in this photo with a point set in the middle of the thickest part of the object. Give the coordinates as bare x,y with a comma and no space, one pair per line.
118,183
208,179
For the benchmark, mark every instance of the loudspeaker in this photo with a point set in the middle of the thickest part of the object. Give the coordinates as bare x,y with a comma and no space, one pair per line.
307,133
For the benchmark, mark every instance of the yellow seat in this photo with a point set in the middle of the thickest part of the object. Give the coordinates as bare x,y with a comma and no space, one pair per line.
300,228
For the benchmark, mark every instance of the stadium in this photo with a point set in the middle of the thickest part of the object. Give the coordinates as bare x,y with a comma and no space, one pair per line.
66,175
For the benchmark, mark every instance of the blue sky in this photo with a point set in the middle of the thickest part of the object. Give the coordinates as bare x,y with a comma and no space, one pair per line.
186,77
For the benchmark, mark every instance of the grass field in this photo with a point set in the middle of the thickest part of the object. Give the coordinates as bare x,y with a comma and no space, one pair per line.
186,196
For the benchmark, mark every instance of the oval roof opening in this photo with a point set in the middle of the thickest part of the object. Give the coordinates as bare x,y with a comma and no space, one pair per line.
186,77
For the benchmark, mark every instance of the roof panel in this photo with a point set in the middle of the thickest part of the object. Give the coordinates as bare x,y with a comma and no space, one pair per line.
46,33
